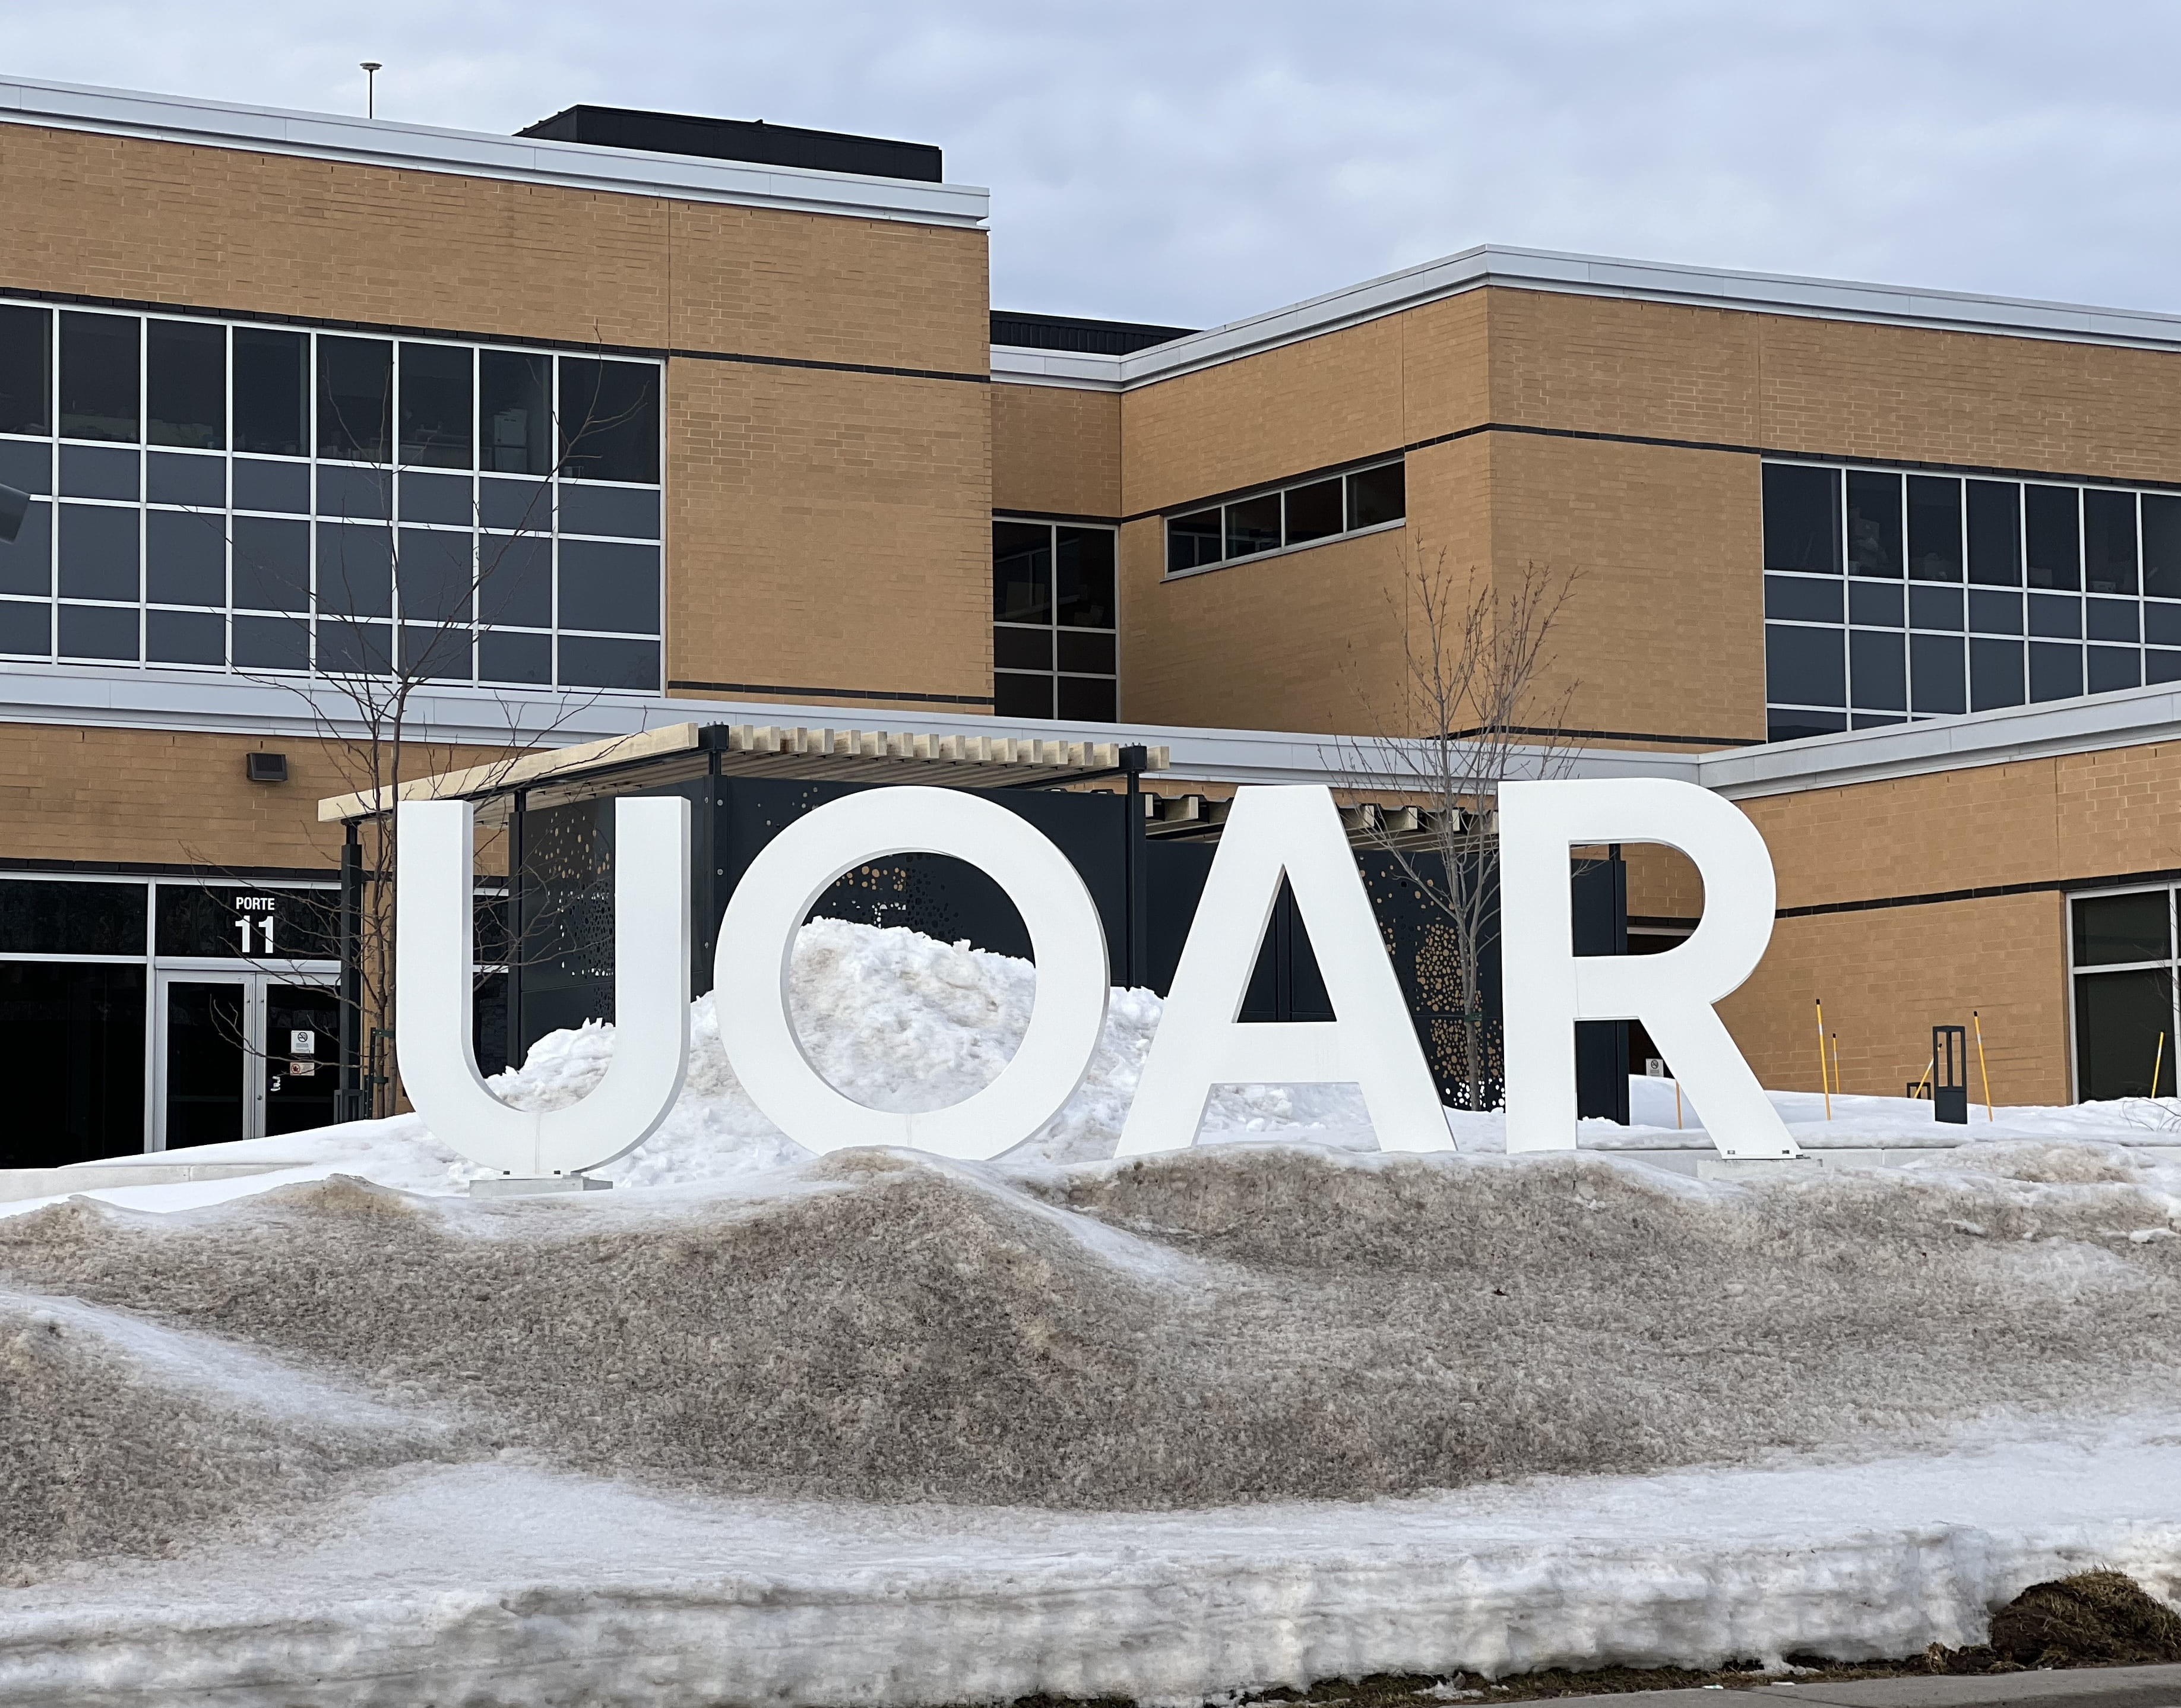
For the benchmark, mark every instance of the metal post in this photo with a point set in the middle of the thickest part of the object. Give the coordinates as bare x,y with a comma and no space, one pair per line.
351,973
1135,904
517,948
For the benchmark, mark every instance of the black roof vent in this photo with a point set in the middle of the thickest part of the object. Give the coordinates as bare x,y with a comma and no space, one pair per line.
752,139
1086,337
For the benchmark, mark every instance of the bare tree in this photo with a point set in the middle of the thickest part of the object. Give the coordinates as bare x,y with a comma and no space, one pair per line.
1474,705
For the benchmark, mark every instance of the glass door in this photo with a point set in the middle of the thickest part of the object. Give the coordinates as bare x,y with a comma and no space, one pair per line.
302,1067
245,1056
204,1061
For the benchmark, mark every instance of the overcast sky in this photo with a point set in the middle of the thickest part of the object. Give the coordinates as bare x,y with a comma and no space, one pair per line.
1189,162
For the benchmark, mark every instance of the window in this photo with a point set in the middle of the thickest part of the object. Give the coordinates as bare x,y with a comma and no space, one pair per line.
2122,963
2015,593
1284,519
1055,622
257,498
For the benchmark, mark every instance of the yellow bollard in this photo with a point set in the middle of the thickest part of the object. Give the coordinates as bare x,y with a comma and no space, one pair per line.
1990,1113
2157,1062
1824,1079
1836,1078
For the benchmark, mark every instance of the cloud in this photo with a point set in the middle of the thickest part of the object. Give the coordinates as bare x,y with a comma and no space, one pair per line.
1194,162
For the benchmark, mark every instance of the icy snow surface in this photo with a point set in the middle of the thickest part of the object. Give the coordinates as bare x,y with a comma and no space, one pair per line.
880,1429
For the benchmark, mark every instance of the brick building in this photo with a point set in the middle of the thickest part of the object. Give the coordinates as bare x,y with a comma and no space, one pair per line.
632,420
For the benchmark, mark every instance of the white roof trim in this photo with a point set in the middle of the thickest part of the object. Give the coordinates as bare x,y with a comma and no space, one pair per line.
480,154
1594,276
208,702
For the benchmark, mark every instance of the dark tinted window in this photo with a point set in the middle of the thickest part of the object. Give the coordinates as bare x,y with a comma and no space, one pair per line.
355,491
435,498
272,486
515,580
1937,670
99,631
2112,930
2161,666
515,424
2052,530
2162,545
271,392
518,505
100,471
617,509
98,552
72,1051
1022,571
69,918
610,419
589,661
348,648
1377,494
1021,696
2112,619
2056,670
1874,524
438,651
1093,698
185,383
98,377
207,921
1994,510
184,558
1935,528
1935,607
1787,725
186,637
1021,648
1193,540
1873,603
1253,526
2109,541
27,467
2118,1019
271,643
272,563
200,481
1804,666
1314,511
1802,519
433,571
2161,624
2112,668
356,398
523,658
614,588
2058,616
435,405
1083,576
1085,653
25,628
355,569
1794,599
1995,613
26,370
1995,674
26,563
1878,675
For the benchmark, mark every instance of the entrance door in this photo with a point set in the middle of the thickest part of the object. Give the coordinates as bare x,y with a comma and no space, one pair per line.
244,1055
207,1059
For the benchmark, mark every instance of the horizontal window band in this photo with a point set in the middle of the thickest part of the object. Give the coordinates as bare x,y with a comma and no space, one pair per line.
1983,893
1821,458
1269,489
497,341
1059,516
835,692
318,877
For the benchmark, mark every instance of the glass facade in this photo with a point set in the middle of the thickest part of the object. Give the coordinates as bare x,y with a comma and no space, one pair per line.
1890,595
1055,626
1308,513
270,500
2122,963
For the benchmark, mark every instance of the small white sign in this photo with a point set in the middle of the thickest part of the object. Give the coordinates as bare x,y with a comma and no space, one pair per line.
302,1043
301,1070
1654,1067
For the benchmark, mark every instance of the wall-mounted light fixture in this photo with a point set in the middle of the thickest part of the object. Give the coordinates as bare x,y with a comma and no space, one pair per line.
13,508
265,768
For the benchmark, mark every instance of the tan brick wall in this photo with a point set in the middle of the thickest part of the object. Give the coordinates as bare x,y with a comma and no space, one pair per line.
1056,451
180,797
828,530
1888,975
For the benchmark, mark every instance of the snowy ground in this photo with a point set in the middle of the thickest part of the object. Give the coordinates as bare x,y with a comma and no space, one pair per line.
879,1428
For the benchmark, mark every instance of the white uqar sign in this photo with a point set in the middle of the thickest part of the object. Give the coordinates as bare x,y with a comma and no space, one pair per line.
1271,833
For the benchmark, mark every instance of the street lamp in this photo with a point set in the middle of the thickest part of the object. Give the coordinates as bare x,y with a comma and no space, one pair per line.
371,69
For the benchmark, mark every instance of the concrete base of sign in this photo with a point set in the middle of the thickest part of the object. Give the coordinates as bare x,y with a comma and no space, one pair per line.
530,1186
17,1185
1706,1163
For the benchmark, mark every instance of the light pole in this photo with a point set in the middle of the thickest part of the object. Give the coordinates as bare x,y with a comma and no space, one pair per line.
371,69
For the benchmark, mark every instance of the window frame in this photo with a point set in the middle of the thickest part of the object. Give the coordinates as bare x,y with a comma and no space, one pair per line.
2171,966
1052,629
1279,490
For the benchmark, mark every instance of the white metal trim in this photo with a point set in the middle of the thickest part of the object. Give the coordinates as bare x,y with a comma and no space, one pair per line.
480,154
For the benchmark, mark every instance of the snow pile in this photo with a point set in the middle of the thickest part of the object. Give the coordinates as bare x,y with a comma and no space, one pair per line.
899,1020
